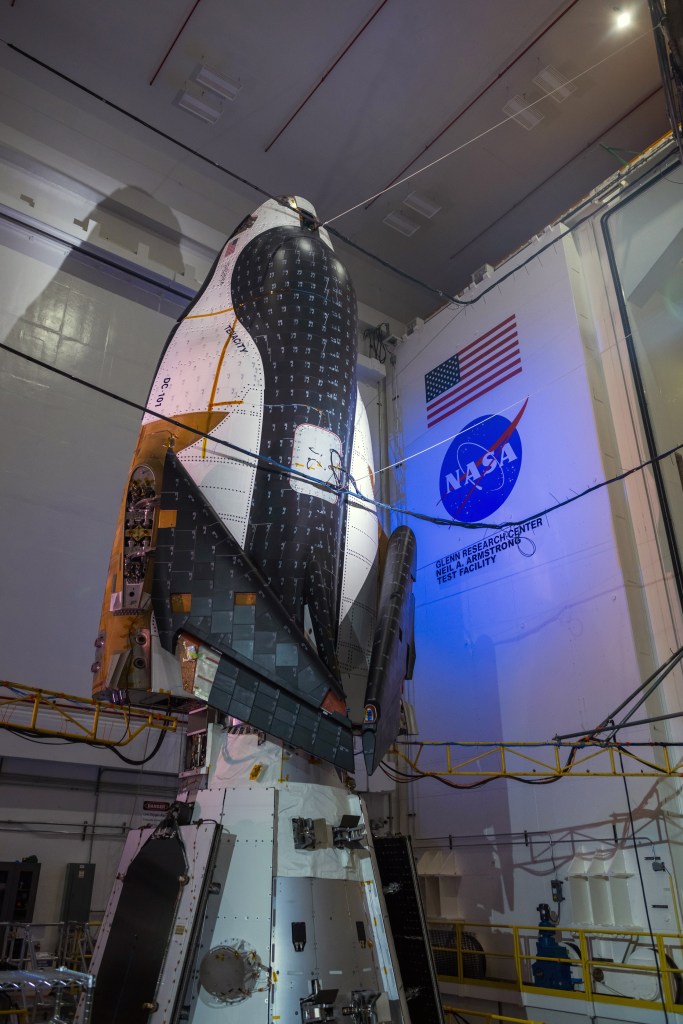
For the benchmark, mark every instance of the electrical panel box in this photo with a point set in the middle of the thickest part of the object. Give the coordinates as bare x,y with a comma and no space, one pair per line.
77,895
18,888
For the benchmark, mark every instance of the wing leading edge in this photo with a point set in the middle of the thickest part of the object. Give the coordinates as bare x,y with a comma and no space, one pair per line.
393,652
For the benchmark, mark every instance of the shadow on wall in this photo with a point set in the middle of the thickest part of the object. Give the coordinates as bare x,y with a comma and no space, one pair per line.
460,700
487,721
67,448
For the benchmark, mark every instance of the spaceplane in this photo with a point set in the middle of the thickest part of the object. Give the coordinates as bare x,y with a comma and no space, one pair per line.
244,571
251,586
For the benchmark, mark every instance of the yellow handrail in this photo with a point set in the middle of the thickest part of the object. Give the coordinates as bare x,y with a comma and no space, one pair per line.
582,759
517,952
488,1017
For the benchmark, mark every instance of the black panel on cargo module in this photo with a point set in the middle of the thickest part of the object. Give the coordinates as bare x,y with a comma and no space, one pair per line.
409,928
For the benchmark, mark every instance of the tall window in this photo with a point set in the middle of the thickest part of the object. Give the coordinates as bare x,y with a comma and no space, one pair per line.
645,237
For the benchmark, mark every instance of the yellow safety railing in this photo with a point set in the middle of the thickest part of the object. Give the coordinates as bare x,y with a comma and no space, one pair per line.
50,713
488,1018
603,965
581,759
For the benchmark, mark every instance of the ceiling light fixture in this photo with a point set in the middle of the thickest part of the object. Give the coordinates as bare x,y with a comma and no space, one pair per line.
214,81
421,204
206,106
554,84
520,111
623,17
399,222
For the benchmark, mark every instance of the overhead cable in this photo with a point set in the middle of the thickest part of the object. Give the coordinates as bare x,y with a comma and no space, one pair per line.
355,494
644,689
491,128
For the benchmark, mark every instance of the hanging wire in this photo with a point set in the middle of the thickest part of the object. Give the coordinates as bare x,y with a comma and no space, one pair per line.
658,966
487,131
354,494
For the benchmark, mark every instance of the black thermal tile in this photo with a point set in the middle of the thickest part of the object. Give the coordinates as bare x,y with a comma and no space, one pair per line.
242,632
265,642
222,573
300,733
221,621
202,588
266,661
201,606
266,697
183,561
286,655
284,715
260,719
222,599
183,540
243,693
181,582
238,710
243,647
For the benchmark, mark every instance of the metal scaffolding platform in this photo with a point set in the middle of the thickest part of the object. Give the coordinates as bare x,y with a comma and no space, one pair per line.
582,759
31,993
52,714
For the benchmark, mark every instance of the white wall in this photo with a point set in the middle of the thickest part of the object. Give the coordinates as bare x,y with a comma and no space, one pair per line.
67,449
552,635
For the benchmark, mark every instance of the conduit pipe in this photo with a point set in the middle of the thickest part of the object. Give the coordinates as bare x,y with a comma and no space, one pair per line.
329,71
476,99
177,37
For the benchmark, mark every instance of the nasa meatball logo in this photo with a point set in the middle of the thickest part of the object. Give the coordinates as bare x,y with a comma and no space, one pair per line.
481,467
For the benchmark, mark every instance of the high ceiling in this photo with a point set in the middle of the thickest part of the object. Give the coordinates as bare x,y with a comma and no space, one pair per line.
338,101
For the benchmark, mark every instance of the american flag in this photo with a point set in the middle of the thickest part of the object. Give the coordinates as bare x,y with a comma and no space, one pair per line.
478,368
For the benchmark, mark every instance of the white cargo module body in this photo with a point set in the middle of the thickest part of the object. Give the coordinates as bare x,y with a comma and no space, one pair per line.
277,914
245,586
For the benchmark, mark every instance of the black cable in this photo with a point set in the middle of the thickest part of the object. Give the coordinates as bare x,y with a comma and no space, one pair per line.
660,980
398,776
270,462
19,730
29,734
419,775
583,740
375,338
458,1016
130,760
340,491
58,703
671,664
526,838
621,748
383,769
608,720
